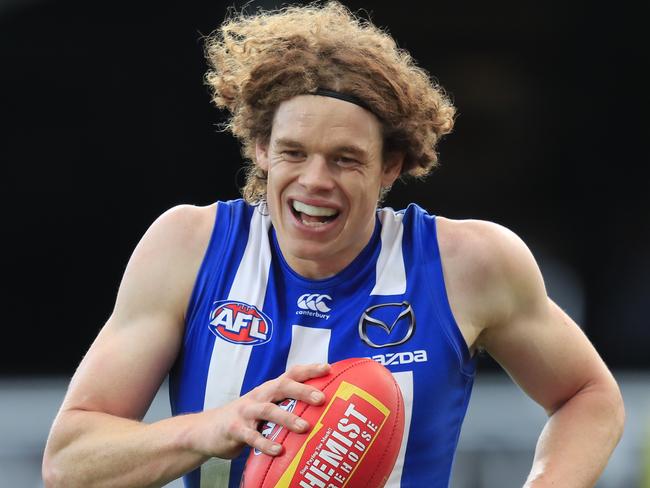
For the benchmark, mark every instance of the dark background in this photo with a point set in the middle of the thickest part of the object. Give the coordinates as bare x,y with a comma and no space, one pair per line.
106,123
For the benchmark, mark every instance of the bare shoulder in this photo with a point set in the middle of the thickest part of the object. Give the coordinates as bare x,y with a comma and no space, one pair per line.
178,237
488,271
480,243
184,226
170,252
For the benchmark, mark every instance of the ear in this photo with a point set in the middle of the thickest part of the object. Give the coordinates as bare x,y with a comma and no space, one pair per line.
262,154
392,168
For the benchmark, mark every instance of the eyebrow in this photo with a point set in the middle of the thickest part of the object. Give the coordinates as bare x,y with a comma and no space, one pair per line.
343,148
287,142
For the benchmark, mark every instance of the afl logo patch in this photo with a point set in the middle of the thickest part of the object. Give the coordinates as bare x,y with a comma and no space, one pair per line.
271,430
240,323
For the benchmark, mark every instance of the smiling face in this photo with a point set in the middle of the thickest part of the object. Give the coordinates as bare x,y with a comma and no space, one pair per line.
325,171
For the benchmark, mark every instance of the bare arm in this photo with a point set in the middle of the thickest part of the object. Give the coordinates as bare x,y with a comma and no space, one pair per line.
550,358
583,430
545,353
97,438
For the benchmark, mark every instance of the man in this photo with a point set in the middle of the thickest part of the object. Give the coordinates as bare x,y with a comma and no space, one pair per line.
228,297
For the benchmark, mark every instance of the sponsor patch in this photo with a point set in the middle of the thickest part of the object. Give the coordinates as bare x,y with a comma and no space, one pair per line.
387,324
314,305
240,323
406,357
315,302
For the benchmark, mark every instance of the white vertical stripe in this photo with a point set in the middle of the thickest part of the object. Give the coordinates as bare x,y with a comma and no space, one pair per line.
405,381
249,286
390,273
308,345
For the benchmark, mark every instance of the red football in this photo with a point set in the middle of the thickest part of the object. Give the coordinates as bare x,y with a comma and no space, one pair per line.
355,436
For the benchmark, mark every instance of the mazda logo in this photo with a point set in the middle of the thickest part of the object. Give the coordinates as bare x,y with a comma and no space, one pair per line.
367,320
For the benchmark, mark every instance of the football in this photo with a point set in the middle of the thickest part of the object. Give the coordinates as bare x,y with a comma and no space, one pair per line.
354,439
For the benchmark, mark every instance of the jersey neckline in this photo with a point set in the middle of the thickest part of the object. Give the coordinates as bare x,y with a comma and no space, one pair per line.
360,265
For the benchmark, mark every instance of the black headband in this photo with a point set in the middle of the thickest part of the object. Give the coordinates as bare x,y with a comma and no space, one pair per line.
346,97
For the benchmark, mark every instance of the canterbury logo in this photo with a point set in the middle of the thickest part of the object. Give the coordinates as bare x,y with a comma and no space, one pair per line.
314,301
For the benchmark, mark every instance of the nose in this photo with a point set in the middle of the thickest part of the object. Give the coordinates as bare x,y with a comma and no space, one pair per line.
316,174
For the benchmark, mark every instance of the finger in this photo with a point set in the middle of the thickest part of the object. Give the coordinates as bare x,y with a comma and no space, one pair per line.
304,372
256,440
272,413
284,387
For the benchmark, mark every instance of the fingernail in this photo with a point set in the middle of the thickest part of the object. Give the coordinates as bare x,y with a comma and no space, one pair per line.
301,424
316,396
275,449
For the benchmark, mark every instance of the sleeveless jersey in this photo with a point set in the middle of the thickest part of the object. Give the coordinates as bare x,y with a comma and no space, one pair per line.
250,317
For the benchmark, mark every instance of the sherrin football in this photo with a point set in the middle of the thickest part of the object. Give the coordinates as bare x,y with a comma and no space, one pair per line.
355,436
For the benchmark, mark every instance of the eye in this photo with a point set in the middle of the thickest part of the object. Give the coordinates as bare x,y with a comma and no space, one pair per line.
293,155
346,161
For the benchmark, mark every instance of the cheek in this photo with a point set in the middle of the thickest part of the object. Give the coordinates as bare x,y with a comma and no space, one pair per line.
364,197
274,180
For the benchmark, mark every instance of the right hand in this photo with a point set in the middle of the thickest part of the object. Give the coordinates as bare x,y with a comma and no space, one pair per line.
231,427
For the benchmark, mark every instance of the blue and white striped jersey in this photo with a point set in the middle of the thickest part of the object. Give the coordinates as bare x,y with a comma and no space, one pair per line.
251,316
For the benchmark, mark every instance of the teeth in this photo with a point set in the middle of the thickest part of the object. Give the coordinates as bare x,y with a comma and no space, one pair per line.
312,210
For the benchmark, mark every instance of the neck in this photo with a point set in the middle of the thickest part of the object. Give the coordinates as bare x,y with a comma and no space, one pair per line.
317,264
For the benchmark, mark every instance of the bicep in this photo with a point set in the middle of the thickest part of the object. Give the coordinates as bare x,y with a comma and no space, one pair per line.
547,355
124,367
535,341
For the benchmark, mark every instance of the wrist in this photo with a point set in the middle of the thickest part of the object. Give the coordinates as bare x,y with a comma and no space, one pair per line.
192,436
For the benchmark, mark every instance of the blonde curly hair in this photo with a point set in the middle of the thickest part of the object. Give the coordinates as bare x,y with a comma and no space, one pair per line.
258,61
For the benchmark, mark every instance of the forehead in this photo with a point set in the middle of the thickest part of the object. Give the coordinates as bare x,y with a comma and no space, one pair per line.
320,118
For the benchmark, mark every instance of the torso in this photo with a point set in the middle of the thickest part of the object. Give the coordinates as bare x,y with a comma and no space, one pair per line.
433,367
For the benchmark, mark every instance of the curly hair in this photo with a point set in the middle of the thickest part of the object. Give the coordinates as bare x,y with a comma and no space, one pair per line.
258,61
